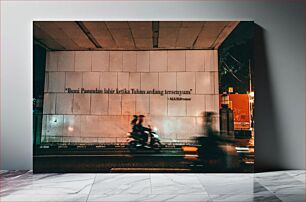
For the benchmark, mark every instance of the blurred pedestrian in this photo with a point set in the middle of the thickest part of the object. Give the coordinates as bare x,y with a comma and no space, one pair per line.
210,150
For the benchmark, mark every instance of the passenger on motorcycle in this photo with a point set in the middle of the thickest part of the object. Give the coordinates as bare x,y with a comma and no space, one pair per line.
139,131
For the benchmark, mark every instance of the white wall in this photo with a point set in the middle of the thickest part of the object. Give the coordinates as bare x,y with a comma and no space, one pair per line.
283,25
105,118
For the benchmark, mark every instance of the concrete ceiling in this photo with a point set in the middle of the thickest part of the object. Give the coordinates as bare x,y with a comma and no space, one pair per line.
131,35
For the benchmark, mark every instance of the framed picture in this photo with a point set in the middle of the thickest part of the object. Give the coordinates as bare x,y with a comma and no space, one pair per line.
143,96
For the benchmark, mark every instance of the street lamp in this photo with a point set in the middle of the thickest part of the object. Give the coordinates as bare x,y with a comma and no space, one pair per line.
251,100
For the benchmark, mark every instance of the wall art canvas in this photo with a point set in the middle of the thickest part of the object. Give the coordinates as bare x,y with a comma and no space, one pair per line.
143,96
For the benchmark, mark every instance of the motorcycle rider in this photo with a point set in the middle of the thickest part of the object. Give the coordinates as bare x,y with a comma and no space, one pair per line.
210,144
134,121
134,132
140,131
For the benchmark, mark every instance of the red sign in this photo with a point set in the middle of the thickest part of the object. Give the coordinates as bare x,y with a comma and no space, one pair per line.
240,105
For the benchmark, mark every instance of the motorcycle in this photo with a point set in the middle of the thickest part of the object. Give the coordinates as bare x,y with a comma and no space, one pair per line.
137,143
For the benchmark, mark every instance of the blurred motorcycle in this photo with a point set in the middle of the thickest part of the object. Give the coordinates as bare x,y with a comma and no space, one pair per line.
137,143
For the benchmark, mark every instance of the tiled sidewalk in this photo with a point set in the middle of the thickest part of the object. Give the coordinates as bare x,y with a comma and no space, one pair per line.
270,186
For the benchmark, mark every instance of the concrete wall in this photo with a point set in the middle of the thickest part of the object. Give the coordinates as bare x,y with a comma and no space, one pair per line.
105,118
